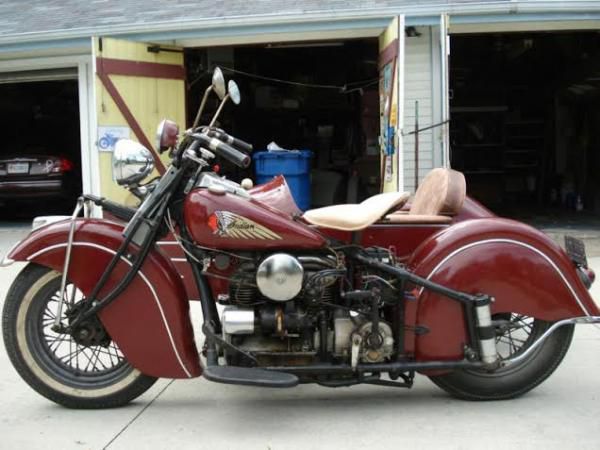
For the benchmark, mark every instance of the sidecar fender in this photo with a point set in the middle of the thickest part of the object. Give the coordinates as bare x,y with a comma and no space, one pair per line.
150,320
524,270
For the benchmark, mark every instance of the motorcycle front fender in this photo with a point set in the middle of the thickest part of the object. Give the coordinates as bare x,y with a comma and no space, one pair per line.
520,267
150,320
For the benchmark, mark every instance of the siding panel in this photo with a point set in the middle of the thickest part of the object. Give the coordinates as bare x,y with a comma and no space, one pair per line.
417,87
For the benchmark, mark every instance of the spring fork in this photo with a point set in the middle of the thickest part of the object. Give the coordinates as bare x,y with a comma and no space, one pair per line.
63,280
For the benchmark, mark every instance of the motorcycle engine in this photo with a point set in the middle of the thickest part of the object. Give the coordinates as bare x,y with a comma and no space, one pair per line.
275,311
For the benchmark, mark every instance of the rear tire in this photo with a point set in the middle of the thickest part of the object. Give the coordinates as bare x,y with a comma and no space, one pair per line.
516,379
55,365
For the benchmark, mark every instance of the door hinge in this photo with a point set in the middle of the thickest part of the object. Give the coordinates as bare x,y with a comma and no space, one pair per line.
158,49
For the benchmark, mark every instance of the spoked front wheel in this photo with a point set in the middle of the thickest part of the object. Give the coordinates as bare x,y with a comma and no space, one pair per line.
515,333
84,369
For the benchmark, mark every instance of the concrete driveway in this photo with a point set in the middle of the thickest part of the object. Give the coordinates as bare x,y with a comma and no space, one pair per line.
562,413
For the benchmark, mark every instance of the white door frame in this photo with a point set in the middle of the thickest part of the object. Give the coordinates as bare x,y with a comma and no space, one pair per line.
401,100
445,89
87,110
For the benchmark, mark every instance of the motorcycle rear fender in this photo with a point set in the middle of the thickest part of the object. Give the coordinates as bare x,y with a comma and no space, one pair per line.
524,270
150,320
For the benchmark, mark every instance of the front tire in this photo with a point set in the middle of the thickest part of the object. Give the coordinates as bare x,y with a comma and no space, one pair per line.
93,374
516,379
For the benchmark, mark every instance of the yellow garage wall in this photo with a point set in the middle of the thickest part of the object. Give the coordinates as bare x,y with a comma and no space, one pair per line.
385,39
149,99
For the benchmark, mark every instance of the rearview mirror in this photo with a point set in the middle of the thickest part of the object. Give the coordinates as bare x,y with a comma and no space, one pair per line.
218,83
234,92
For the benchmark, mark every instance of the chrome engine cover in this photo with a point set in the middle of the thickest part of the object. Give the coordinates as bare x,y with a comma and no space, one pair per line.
279,277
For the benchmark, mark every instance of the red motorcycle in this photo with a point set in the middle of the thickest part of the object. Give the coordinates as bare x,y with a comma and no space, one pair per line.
371,293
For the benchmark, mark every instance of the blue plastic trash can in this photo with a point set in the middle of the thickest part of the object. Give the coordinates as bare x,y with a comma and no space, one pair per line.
293,165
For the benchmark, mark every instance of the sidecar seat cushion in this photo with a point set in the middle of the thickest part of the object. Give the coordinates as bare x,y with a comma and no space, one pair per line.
353,217
441,191
440,195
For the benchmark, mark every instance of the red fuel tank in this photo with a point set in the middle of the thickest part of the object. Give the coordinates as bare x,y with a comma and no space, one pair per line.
230,222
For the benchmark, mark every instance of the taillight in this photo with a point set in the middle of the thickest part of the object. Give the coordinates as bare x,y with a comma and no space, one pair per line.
167,134
66,165
587,276
62,165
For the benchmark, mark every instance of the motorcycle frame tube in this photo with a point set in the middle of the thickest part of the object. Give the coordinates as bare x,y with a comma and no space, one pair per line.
149,320
521,268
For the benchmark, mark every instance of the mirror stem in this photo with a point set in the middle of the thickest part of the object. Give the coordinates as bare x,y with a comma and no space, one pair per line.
214,119
202,103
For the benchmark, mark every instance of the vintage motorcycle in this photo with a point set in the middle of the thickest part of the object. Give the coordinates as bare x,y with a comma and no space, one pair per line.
348,294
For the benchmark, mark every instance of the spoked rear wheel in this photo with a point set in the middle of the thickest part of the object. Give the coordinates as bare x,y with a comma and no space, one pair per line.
515,333
84,369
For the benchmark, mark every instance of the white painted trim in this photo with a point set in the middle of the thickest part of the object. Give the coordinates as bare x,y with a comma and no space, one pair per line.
436,95
511,27
92,121
401,97
444,39
49,62
140,273
93,134
513,242
84,129
265,38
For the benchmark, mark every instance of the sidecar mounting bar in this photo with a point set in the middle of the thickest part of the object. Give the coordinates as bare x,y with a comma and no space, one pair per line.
403,274
478,314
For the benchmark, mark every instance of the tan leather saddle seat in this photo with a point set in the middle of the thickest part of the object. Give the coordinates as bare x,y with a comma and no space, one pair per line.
440,196
355,217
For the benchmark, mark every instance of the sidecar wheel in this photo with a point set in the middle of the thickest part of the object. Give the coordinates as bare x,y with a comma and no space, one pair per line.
76,374
516,379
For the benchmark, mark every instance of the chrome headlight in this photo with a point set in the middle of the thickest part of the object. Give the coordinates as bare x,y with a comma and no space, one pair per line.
131,162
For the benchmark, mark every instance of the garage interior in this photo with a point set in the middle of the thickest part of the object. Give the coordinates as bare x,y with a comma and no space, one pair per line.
525,121
39,113
318,96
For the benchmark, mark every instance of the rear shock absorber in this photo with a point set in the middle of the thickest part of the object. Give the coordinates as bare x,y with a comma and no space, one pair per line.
486,332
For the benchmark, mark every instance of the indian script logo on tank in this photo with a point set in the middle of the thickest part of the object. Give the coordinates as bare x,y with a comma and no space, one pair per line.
228,224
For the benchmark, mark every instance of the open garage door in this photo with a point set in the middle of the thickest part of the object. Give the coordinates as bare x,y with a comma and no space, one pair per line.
40,159
137,85
391,104
525,123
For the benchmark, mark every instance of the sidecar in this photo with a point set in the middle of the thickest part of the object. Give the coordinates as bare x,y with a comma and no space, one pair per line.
446,237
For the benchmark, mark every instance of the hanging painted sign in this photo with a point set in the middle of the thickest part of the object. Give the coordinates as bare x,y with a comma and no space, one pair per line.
108,137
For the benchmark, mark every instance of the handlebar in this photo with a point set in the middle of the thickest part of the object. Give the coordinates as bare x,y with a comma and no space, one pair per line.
228,139
226,151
